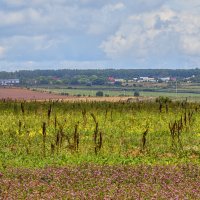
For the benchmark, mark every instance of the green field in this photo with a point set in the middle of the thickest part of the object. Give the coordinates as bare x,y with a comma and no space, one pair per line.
38,134
87,92
99,150
115,92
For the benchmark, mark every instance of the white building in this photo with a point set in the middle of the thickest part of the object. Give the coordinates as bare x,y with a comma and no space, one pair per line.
165,79
9,81
120,80
146,79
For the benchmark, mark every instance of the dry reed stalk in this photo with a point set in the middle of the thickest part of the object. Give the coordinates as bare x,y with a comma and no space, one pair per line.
49,113
76,138
176,129
144,138
97,137
22,108
44,138
52,148
84,117
20,127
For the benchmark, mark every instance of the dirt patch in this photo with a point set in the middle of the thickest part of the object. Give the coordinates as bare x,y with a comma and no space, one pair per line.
110,99
25,94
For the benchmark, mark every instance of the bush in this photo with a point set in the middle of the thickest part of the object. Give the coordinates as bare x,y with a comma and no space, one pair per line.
99,94
136,94
64,93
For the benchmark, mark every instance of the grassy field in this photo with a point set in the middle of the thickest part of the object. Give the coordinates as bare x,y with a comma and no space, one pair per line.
44,144
87,92
179,96
114,92
36,134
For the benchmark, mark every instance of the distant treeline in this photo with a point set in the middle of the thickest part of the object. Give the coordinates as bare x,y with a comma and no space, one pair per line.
84,76
116,73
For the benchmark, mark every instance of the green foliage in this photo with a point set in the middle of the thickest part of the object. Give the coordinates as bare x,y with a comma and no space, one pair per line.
117,83
163,99
36,134
93,73
99,94
98,81
96,77
136,93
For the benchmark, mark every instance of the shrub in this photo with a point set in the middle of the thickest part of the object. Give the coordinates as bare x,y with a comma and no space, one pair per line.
99,94
64,93
136,94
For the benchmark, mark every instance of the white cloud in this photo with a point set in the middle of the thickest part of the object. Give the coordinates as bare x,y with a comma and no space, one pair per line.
114,7
14,2
19,3
11,18
24,17
191,5
138,34
106,19
129,32
62,64
2,52
38,42
191,45
155,34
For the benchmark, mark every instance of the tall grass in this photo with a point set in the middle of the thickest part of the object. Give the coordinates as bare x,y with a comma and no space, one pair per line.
99,132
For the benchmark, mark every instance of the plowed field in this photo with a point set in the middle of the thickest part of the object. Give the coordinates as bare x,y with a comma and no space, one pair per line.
25,94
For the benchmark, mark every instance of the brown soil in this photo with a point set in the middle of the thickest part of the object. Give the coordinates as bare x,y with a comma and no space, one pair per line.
25,94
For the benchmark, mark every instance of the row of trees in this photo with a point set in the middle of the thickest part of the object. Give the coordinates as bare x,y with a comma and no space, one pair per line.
76,80
117,73
94,77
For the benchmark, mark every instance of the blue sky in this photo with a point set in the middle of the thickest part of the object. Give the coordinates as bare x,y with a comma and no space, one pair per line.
50,34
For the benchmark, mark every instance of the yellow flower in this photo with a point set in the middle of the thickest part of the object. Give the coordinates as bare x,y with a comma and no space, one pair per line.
32,134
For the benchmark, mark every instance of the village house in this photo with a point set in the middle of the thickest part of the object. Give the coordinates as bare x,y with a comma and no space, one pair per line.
165,79
9,81
120,80
147,79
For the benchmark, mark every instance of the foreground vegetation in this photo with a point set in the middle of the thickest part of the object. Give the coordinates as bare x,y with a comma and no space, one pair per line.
36,134
99,150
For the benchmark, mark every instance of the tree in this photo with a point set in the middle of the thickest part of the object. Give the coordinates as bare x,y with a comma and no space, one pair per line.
99,94
118,83
98,81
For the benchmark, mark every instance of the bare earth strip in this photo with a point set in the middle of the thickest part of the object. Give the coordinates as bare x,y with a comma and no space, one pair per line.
102,182
24,94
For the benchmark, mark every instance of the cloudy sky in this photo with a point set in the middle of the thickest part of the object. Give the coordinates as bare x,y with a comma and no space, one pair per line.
99,34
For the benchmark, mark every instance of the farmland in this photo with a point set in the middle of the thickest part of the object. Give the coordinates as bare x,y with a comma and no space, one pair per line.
191,93
24,94
52,135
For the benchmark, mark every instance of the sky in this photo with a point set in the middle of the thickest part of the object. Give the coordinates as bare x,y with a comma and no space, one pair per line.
86,34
